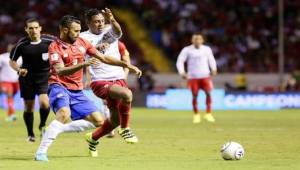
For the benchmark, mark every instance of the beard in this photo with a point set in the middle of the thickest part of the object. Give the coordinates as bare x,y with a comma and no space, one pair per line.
71,39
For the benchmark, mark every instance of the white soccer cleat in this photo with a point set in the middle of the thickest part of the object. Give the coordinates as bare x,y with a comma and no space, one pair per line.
128,135
196,118
208,117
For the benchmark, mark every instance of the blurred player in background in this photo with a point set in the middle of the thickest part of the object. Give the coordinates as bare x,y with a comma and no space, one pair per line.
66,56
201,65
109,82
9,83
33,74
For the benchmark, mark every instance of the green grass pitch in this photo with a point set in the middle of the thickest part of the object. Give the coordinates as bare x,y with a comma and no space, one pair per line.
168,141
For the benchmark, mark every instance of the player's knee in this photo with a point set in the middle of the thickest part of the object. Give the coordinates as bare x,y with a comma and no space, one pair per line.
44,104
99,122
29,107
63,115
127,96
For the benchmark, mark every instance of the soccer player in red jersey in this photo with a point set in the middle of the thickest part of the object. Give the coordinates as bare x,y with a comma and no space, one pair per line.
201,65
66,57
8,83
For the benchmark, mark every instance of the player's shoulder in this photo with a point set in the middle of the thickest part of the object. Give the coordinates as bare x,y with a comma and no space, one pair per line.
48,37
23,40
85,34
206,47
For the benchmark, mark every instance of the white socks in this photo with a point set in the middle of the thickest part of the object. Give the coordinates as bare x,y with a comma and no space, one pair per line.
50,135
56,127
78,126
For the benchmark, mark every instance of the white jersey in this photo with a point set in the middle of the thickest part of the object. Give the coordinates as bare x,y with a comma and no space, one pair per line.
199,61
7,74
104,71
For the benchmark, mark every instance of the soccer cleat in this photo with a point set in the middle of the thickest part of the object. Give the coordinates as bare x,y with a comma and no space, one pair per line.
196,118
41,157
11,118
92,145
208,117
111,134
30,139
128,135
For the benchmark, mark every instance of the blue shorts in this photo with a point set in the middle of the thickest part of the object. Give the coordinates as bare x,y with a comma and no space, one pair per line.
78,103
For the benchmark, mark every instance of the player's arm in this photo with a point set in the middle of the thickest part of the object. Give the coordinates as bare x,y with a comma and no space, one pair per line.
126,58
88,77
212,63
182,57
61,70
14,55
114,24
112,61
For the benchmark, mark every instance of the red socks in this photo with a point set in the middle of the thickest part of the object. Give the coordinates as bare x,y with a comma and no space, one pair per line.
195,108
10,105
208,104
124,109
103,130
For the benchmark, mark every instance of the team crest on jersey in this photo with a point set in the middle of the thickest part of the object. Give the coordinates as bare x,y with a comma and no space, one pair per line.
65,55
82,49
54,57
75,61
107,38
45,56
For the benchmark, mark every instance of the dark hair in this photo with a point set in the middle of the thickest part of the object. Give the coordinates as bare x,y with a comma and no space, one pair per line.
67,20
30,20
197,33
88,14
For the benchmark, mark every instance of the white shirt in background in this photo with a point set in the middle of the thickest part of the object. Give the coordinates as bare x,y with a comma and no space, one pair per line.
7,74
200,61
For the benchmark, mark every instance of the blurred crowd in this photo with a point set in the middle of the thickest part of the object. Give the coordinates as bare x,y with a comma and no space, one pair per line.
243,34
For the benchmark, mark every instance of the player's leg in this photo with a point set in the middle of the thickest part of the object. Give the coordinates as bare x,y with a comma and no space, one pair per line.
44,110
40,85
28,95
53,130
7,87
106,114
59,101
207,86
125,96
194,87
29,118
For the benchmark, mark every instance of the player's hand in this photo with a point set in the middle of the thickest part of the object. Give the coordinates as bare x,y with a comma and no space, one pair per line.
214,72
102,47
184,76
22,72
107,14
91,61
136,70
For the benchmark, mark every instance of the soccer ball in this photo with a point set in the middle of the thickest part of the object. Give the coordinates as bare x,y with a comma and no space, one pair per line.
232,151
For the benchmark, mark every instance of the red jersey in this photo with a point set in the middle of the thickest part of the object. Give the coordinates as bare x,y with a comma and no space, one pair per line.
122,49
69,54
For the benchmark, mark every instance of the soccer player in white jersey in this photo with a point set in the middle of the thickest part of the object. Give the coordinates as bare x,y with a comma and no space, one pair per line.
9,83
201,65
108,82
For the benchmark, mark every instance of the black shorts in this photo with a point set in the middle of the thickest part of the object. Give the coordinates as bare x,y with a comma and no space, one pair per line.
33,84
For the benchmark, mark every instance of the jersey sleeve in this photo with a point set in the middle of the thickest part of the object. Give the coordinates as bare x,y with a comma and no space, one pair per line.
122,48
15,53
211,60
54,56
90,49
182,57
